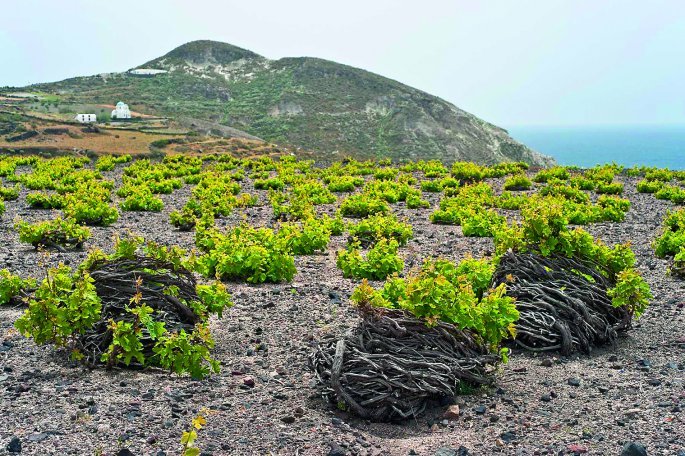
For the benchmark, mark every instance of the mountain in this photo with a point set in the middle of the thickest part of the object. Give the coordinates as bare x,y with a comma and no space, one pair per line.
309,103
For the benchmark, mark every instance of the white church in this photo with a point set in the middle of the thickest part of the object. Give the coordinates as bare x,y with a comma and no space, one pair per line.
121,111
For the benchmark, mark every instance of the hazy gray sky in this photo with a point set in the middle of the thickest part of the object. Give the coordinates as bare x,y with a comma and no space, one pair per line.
510,62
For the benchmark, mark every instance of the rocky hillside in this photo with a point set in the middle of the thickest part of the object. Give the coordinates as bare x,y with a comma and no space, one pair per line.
314,104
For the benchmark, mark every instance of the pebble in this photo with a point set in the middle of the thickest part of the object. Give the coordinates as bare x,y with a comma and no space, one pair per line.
452,412
38,437
633,449
508,436
336,450
14,446
449,451
574,381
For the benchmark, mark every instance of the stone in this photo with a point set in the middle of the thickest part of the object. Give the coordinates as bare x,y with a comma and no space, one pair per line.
249,382
288,419
448,451
633,449
508,436
480,410
574,381
547,362
452,412
546,398
14,446
336,450
39,437
577,449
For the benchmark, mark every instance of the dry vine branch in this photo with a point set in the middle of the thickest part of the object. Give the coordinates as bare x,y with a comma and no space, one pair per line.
392,365
563,303
115,282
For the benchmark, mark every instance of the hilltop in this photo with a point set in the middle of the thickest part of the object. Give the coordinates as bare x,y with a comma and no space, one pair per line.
305,103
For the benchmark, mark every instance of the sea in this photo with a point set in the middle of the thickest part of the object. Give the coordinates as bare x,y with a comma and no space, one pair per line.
661,146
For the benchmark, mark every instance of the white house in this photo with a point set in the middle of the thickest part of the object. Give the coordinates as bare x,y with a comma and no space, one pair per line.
149,72
86,118
121,111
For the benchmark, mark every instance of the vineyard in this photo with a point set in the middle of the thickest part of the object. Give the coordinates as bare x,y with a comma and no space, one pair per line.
292,307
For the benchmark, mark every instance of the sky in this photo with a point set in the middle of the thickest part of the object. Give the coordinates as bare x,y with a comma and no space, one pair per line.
511,62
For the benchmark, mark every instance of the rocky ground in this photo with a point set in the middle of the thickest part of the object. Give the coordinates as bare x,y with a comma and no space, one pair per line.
263,402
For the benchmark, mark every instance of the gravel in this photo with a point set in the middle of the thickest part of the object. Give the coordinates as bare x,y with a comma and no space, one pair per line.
617,399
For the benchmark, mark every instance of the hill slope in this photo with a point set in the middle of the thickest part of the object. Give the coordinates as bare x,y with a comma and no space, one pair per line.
305,102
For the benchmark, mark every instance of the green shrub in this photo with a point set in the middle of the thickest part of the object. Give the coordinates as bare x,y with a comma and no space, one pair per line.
646,186
672,193
468,172
363,205
269,184
244,253
557,172
381,261
9,193
66,306
57,233
615,188
386,174
582,183
456,294
90,211
508,200
672,240
306,238
12,286
108,162
481,223
414,201
45,201
376,227
518,182
544,231
389,191
142,199
661,175
344,183
434,186
184,219
556,188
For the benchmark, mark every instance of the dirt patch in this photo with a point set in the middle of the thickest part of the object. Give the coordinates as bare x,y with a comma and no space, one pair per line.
264,402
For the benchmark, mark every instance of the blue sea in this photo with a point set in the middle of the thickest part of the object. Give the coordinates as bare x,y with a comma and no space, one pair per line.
660,146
